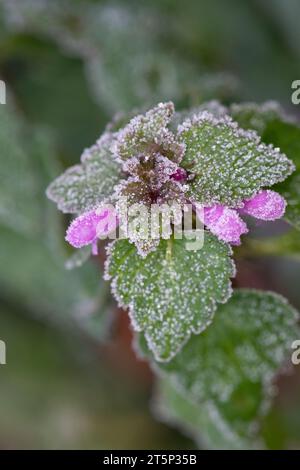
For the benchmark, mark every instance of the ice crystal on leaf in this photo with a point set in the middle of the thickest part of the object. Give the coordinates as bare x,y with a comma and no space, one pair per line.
258,117
173,292
83,187
208,161
229,164
230,367
149,133
275,126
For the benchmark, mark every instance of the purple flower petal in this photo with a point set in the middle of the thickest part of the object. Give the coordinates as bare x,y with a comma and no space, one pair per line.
265,205
223,222
86,228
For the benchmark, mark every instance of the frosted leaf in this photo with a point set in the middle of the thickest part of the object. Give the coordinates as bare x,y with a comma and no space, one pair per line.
121,119
164,168
276,127
172,192
82,187
169,146
135,190
151,182
145,130
31,243
204,424
286,135
258,116
24,155
173,292
100,32
136,193
232,364
229,164
154,169
213,107
144,247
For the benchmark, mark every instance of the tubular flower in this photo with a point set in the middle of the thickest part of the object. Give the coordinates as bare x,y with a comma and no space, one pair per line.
203,158
227,224
91,225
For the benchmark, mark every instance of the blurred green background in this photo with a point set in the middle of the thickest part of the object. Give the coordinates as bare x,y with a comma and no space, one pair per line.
71,379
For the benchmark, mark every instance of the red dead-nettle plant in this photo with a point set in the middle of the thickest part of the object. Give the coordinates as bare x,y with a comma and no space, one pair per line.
215,349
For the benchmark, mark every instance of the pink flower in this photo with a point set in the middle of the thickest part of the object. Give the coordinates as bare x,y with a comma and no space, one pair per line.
224,222
227,224
265,205
89,226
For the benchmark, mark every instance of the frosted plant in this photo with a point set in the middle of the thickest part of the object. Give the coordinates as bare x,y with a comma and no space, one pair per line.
213,159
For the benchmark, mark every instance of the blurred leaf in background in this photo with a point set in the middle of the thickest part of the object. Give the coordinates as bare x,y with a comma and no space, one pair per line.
129,51
32,255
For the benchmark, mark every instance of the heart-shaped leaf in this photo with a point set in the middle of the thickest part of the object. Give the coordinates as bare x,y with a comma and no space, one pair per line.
229,368
173,292
228,164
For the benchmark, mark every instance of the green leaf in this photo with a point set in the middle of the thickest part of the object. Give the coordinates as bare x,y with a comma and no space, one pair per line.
230,367
19,181
145,130
213,107
99,33
32,250
38,88
229,163
275,127
201,423
286,135
173,292
85,186
257,116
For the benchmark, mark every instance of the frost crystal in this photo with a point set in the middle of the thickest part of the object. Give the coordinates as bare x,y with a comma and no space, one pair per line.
257,117
225,223
274,125
265,205
234,361
229,164
83,187
173,292
148,133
